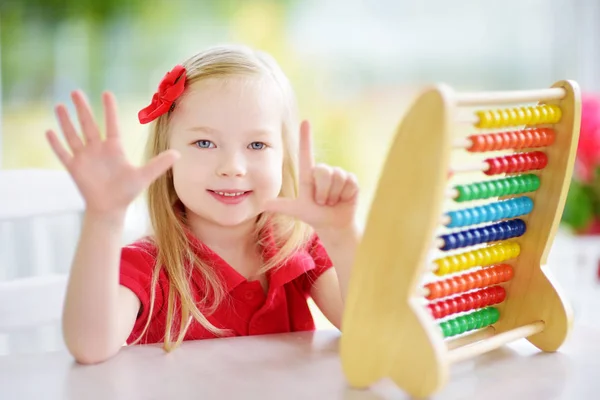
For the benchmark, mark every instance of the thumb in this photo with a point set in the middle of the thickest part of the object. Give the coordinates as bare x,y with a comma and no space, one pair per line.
159,165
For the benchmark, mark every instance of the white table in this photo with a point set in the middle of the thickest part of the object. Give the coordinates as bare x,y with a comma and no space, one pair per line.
294,366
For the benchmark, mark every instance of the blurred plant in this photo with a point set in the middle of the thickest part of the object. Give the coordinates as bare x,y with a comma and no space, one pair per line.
582,208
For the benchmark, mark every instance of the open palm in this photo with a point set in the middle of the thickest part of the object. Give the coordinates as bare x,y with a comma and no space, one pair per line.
106,179
327,198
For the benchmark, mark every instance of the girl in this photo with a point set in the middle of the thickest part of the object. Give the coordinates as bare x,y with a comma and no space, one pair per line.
245,226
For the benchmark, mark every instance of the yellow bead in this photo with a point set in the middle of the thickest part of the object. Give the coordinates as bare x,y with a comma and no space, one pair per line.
472,260
520,116
544,114
463,261
504,118
479,256
551,115
515,250
513,117
557,114
497,252
528,116
535,112
443,266
485,118
487,256
455,265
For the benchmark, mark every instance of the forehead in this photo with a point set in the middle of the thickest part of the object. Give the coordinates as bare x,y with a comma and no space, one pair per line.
231,104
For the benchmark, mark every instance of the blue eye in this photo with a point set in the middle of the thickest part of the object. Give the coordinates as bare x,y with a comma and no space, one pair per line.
257,145
204,144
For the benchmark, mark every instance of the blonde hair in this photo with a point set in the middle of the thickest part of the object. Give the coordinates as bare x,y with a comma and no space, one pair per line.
174,251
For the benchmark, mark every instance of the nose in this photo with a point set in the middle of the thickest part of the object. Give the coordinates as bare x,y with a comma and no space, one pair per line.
232,164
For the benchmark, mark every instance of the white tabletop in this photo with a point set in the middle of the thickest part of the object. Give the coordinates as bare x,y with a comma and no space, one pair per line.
294,366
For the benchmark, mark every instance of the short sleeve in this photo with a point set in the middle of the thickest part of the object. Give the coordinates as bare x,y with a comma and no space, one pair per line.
136,268
321,259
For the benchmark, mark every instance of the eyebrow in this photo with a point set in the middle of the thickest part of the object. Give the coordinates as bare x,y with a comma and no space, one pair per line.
257,132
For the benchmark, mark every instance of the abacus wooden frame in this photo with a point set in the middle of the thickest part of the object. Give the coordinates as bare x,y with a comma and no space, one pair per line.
387,332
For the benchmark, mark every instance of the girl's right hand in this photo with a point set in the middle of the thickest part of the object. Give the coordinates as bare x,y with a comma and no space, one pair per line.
100,169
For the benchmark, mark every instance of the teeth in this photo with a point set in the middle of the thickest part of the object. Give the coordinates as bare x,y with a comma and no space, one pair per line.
230,194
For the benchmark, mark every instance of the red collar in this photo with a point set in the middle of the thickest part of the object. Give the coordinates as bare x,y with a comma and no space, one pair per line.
295,266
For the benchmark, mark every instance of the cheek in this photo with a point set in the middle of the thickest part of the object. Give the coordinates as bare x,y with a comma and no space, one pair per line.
268,173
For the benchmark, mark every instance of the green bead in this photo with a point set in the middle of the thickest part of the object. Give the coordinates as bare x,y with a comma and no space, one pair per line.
455,326
471,321
504,187
446,330
464,193
536,182
496,191
464,324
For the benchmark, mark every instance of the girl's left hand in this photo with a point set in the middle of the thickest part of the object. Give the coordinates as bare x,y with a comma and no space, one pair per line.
328,196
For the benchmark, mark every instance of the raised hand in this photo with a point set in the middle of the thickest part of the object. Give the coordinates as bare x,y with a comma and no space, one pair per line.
328,195
106,179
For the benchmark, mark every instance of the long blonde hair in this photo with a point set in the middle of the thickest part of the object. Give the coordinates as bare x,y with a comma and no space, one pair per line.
174,251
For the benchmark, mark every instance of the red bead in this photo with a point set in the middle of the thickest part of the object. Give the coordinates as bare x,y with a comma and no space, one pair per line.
436,310
478,143
445,308
463,303
445,288
471,281
507,140
520,139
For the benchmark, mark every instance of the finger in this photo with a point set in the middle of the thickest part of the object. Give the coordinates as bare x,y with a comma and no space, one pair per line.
68,129
338,180
322,176
110,115
350,190
158,165
306,161
62,154
86,119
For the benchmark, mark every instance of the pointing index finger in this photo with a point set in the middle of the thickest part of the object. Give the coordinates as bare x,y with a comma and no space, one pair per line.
306,160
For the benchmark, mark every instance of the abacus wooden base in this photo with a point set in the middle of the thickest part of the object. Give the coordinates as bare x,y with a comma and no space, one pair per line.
387,331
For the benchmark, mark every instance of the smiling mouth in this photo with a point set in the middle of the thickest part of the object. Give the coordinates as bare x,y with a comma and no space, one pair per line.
229,193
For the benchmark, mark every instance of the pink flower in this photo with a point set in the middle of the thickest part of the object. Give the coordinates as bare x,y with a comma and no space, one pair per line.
588,149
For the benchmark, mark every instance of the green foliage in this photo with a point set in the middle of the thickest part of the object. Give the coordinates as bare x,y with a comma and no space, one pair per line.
582,206
54,11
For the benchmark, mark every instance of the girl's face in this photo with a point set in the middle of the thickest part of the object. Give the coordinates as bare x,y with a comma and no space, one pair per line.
229,135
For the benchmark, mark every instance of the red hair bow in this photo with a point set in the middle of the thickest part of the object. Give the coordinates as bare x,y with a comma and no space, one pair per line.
170,88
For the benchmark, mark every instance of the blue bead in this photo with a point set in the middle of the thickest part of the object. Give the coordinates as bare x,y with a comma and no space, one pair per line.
494,233
468,217
476,216
476,236
485,233
469,239
492,213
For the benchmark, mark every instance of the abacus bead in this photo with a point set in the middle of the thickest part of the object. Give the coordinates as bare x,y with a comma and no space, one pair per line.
528,115
544,115
454,285
445,288
550,115
464,324
434,290
449,242
471,321
535,112
446,329
508,273
464,193
485,118
557,114
455,326
494,315
443,266
462,304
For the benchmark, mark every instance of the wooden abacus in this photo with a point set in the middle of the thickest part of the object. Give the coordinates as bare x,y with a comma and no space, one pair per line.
447,271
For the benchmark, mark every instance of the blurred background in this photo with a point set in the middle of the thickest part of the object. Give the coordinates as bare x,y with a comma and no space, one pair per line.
355,65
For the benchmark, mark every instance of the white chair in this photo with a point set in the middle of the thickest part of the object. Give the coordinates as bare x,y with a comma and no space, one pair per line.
40,218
